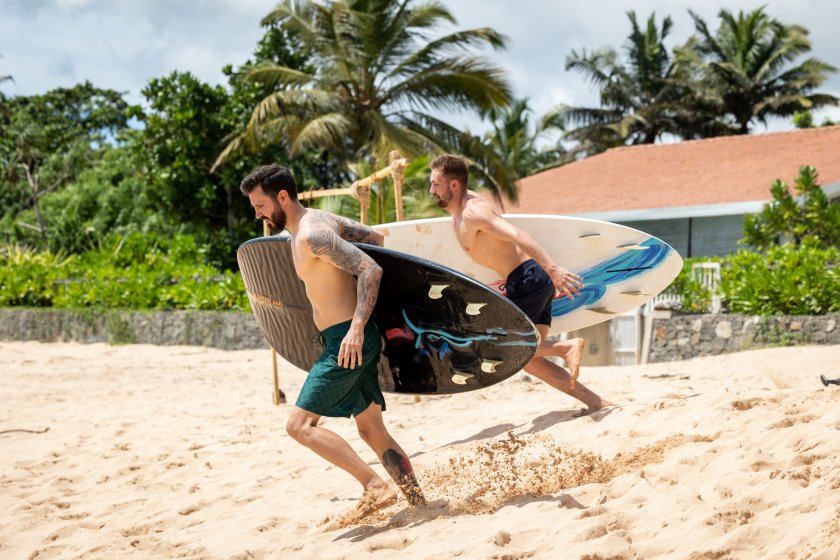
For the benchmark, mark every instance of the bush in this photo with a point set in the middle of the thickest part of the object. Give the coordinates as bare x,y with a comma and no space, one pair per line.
786,280
694,296
125,272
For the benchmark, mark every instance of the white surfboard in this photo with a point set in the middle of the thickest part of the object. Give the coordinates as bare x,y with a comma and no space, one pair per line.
622,267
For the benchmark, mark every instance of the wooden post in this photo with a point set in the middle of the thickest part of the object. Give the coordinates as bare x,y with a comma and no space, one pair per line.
398,165
278,397
361,191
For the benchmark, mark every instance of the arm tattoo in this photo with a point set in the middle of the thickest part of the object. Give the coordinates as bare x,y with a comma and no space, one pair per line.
356,232
327,245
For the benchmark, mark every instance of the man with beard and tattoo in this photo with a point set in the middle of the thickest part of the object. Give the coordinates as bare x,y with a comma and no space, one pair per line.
344,381
532,278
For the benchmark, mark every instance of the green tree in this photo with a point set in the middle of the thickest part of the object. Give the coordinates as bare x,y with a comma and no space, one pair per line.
313,168
180,135
186,121
750,62
812,218
7,78
805,119
638,92
376,73
49,139
515,139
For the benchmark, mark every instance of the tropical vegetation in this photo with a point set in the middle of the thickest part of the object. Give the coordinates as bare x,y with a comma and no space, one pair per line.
105,203
717,83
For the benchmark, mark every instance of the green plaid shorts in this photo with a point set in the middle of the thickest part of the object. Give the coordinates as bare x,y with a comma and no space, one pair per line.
333,390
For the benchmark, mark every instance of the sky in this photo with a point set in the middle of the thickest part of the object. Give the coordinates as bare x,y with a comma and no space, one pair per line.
122,44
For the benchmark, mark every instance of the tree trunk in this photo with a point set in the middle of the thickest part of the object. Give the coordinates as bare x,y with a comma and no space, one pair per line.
33,184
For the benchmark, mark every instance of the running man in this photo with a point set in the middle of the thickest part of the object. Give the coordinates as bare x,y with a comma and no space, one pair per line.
344,381
533,279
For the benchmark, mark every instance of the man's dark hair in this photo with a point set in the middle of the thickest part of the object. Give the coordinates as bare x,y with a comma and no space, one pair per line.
452,167
272,178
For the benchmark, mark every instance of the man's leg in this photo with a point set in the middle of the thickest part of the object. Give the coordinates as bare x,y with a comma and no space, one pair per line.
559,378
372,430
570,350
302,426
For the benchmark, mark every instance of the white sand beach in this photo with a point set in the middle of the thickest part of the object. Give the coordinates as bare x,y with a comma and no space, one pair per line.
178,452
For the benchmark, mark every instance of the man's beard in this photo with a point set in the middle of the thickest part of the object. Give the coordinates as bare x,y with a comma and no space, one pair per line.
277,221
443,201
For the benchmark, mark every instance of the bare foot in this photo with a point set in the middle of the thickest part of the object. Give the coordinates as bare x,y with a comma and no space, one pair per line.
572,358
376,497
602,404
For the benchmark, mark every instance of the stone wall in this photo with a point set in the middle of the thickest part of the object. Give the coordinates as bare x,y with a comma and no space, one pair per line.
675,337
225,330
681,337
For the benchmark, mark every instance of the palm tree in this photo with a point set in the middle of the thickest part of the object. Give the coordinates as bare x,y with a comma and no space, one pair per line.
377,73
749,61
637,93
515,139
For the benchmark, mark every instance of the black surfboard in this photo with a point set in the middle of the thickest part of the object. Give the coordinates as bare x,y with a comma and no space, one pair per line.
443,332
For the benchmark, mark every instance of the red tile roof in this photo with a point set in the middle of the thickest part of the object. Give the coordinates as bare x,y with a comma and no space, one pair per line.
698,172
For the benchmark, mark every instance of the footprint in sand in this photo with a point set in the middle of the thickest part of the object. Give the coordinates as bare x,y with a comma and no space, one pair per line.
250,555
746,404
727,520
392,543
144,529
272,523
189,510
788,422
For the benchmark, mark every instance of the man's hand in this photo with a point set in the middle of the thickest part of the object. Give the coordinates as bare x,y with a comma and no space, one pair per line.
350,353
565,282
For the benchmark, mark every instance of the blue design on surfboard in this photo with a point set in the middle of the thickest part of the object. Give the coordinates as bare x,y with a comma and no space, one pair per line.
627,265
450,339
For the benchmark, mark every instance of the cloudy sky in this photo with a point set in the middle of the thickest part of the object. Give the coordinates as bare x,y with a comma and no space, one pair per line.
121,44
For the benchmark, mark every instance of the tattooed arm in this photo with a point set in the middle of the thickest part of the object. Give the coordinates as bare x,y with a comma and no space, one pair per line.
327,245
358,233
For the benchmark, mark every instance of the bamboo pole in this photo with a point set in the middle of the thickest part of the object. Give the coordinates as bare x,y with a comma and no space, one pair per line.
397,162
309,195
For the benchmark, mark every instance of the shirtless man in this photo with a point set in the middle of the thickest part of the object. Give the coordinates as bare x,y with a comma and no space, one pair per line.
533,279
344,381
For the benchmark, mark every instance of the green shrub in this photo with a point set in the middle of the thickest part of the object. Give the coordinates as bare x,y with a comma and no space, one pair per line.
786,280
124,272
694,295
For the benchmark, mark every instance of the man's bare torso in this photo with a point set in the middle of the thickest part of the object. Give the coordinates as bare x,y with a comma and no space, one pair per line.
331,291
484,248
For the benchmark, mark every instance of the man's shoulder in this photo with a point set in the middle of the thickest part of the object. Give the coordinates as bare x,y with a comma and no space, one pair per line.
317,222
478,208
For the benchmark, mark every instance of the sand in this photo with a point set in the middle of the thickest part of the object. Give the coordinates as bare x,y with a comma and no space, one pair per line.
178,452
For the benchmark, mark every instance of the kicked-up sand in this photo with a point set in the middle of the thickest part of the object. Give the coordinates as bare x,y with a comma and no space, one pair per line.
178,452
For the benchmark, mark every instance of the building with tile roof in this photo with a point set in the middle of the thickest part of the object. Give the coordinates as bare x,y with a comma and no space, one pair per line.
691,194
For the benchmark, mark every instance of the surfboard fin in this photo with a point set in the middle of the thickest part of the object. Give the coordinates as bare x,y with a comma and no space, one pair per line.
460,377
604,310
489,366
436,291
634,293
633,246
474,308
